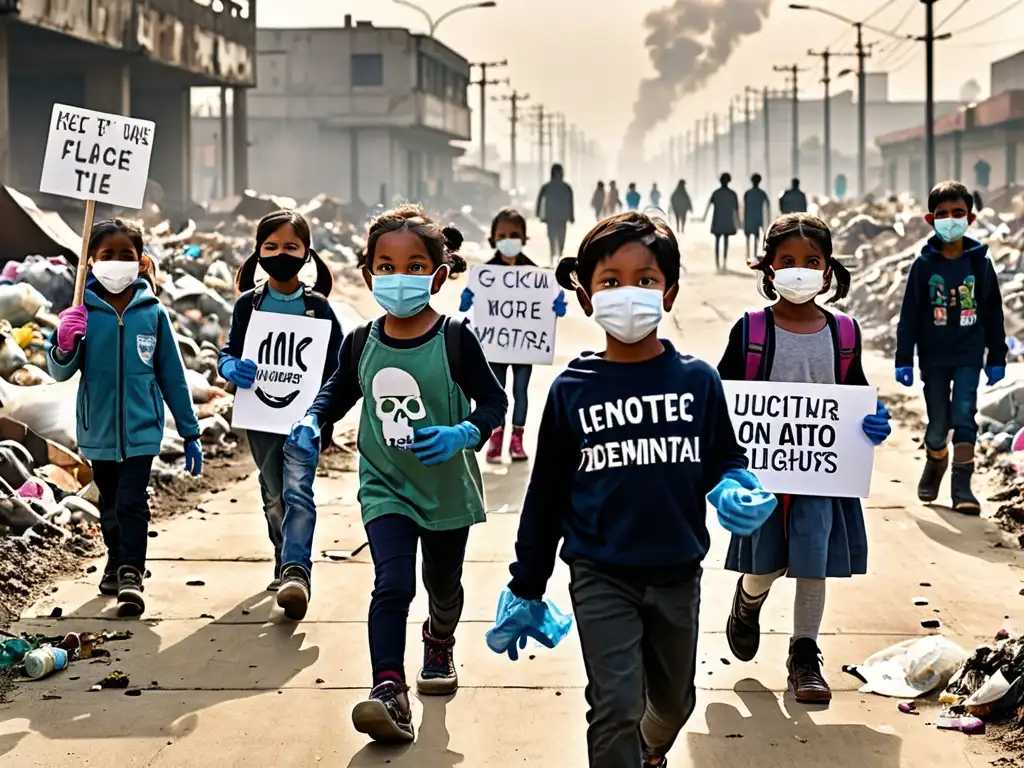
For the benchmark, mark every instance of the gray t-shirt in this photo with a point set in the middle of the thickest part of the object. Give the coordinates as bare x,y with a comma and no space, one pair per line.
804,358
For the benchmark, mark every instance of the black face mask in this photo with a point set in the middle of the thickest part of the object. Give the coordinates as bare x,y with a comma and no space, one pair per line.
282,268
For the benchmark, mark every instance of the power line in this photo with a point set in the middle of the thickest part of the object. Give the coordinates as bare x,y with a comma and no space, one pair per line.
898,45
952,13
994,16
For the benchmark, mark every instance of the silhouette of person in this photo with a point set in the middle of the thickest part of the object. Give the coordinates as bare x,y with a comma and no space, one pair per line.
724,222
556,208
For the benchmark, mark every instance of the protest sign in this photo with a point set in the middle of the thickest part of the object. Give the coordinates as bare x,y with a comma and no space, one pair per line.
513,313
805,439
289,352
96,157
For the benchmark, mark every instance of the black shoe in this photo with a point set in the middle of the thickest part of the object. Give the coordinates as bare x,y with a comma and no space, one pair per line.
130,602
294,594
438,676
743,630
382,716
275,585
964,500
931,476
108,582
805,676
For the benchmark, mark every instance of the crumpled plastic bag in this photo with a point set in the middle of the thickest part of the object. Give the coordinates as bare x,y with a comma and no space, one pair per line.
911,668
516,618
20,303
48,410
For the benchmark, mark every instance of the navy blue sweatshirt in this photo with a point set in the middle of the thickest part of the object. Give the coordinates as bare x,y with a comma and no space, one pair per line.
952,310
625,456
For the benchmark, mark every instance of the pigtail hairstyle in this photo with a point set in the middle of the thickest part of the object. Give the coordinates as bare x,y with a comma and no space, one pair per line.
611,234
809,228
442,244
245,277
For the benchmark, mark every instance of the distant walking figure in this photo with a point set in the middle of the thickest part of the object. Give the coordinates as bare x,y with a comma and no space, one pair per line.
725,221
633,198
757,209
597,201
681,205
556,208
612,203
793,200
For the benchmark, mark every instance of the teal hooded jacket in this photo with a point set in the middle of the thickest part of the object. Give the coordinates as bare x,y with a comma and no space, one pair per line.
130,365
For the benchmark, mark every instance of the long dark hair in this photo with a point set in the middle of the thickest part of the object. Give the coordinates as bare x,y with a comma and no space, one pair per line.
101,230
809,228
245,277
442,244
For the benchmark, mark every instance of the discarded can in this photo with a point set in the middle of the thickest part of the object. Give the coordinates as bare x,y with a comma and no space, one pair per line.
44,661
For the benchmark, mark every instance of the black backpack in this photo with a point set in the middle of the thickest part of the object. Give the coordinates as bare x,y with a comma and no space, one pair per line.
452,344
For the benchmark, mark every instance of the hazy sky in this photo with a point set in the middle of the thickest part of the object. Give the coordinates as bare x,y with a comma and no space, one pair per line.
586,57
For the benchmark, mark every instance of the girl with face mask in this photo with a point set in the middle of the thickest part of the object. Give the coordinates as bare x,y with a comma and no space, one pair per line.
632,443
508,235
122,342
806,538
430,401
283,248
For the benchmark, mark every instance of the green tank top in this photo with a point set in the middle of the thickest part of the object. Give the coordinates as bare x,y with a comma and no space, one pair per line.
405,390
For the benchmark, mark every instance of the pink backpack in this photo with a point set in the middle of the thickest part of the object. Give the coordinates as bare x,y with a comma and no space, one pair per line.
755,331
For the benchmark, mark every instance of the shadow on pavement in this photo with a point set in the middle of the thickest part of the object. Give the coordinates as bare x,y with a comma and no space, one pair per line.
505,487
771,737
429,749
972,536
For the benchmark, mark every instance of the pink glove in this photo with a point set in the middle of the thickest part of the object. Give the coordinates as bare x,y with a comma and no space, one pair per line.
72,327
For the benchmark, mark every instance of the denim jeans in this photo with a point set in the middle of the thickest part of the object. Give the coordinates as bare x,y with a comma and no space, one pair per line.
124,509
267,452
520,389
299,521
947,412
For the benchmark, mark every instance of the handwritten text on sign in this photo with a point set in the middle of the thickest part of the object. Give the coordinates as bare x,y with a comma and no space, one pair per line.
97,156
289,352
805,439
513,313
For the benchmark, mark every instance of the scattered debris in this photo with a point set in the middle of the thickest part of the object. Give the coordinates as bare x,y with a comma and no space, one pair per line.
910,669
908,708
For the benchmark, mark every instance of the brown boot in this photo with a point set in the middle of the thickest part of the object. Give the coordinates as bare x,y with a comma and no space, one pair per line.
964,500
931,477
805,676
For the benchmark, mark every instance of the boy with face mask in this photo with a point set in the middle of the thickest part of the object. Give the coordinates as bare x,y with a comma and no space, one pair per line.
953,313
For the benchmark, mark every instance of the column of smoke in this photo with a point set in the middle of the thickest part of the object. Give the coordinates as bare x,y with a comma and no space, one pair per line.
688,42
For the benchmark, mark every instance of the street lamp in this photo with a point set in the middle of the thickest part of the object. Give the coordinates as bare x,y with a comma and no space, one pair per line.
434,23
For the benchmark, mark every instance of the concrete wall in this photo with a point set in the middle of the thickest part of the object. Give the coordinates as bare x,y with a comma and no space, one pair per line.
1008,74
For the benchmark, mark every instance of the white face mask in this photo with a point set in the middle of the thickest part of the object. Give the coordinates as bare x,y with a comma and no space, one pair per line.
115,276
628,314
799,284
509,247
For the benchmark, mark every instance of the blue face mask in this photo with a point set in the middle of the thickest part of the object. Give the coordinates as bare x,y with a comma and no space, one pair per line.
402,295
950,230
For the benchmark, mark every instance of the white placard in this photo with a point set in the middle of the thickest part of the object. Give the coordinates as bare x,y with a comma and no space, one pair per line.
513,313
290,352
97,156
805,439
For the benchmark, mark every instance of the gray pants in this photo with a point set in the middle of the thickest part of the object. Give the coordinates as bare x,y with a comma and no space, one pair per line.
268,453
640,652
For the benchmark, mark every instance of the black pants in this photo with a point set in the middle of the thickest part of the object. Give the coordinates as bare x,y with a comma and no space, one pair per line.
723,241
556,237
124,509
393,540
640,651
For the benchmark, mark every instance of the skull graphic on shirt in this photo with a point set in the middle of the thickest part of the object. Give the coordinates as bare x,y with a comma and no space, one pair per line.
398,402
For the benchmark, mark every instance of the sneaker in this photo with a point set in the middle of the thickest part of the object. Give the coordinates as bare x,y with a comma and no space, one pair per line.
743,629
964,500
385,715
130,602
108,582
438,676
293,596
931,476
494,446
805,676
515,447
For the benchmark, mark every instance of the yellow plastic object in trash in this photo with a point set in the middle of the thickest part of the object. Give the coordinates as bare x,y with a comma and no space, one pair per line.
25,335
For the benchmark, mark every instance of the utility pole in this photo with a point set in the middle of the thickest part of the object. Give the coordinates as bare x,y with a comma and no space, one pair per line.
483,82
686,157
715,150
747,93
562,147
929,99
862,113
515,100
794,73
732,135
539,116
826,55
767,141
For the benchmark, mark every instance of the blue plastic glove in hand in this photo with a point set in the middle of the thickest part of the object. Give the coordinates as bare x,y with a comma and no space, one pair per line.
466,300
517,620
876,426
743,506
436,445
193,458
995,374
241,373
305,434
905,376
560,307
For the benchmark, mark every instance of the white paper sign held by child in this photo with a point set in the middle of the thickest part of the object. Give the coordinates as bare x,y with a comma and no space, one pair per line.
513,313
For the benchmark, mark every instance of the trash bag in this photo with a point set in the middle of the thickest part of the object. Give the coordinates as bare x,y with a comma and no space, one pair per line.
911,668
48,410
20,303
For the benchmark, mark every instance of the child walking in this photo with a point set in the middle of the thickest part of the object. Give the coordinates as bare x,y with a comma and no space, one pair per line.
631,442
953,313
283,247
806,538
508,235
122,342
419,483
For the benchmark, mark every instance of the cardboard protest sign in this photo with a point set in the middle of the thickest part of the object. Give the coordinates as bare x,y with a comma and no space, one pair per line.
513,313
805,439
290,352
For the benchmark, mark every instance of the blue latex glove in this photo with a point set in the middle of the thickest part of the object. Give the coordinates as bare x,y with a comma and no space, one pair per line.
241,373
193,458
517,620
995,374
560,306
436,445
305,434
466,300
743,506
876,426
905,376
193,251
